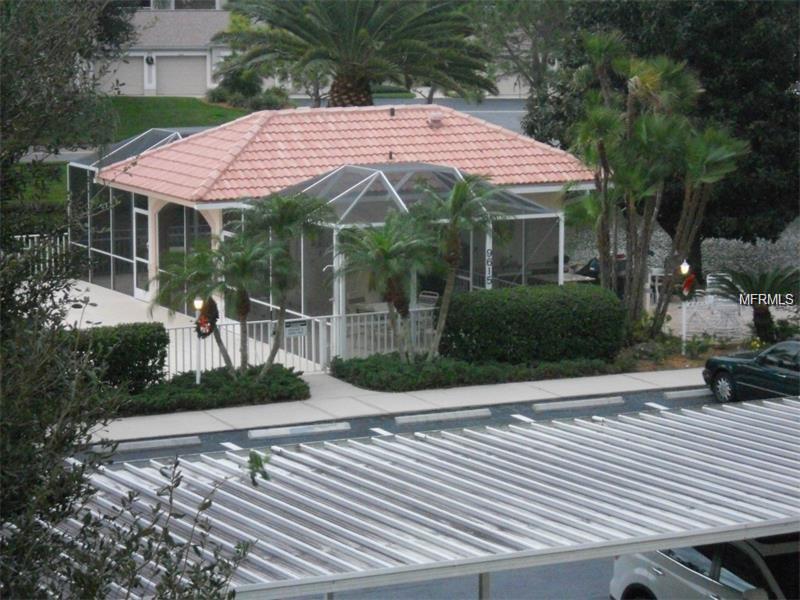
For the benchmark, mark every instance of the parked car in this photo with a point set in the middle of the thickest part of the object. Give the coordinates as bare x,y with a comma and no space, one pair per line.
753,375
757,569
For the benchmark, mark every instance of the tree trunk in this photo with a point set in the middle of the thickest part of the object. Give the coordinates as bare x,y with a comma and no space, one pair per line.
398,338
277,336
224,351
444,309
347,91
243,344
763,323
431,93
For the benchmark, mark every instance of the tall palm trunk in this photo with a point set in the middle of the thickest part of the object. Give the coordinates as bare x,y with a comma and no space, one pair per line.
349,91
226,358
444,310
277,336
243,344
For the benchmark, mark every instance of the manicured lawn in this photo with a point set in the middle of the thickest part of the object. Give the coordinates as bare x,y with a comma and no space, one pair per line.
140,114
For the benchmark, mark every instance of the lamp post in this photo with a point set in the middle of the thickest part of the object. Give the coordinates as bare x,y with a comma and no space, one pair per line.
685,268
198,306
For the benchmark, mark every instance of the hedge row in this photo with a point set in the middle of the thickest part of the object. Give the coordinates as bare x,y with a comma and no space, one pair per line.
218,389
389,373
530,324
130,355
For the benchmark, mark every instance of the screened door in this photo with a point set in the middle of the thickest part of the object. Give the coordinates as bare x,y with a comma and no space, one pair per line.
140,253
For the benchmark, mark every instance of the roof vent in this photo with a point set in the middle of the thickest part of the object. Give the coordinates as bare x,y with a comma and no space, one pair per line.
435,119
391,111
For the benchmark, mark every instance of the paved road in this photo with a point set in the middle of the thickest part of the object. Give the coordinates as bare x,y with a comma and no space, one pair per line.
586,580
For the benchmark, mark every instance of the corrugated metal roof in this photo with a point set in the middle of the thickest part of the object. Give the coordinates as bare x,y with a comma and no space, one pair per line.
376,511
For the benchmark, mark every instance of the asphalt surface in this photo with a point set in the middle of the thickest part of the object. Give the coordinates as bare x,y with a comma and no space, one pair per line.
585,580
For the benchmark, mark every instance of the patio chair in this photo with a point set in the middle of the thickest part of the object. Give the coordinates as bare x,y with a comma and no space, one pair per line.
427,299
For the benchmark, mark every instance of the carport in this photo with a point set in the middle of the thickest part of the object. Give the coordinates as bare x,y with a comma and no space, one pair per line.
390,509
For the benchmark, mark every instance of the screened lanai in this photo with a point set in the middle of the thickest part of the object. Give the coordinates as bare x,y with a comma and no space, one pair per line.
523,246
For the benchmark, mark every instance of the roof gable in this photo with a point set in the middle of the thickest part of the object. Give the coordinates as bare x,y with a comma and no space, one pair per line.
265,152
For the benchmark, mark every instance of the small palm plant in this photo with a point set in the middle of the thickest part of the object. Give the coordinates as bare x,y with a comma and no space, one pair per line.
461,210
276,223
733,283
390,253
235,265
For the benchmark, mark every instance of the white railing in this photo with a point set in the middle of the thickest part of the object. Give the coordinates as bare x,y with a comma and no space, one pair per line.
49,249
308,343
371,333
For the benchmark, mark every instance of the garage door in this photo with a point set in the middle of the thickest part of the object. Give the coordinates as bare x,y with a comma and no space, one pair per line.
181,75
130,75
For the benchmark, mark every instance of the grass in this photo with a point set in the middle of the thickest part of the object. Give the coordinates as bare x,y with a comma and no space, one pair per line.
140,114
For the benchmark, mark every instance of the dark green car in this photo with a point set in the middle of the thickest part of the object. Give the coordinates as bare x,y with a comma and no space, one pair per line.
755,375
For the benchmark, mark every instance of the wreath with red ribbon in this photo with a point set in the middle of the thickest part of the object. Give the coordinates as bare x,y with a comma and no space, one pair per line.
206,323
689,286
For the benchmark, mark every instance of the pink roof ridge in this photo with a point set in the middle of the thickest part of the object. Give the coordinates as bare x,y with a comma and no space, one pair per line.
265,152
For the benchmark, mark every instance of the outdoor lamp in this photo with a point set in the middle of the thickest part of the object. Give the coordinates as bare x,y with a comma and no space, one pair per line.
198,303
684,268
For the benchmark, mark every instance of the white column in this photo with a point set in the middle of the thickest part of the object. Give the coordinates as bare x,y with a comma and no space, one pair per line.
489,258
153,208
339,328
561,248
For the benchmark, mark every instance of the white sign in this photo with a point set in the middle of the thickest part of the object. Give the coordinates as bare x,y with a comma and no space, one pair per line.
296,329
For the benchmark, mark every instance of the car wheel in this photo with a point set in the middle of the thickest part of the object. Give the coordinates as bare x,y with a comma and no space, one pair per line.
724,388
638,592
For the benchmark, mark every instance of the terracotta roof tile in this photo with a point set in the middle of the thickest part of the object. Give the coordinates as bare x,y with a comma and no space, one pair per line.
265,152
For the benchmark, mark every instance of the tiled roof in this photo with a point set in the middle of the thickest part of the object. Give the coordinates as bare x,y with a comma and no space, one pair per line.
265,152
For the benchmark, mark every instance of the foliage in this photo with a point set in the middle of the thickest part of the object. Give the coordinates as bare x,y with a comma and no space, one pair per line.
50,98
391,373
361,42
277,223
390,254
53,399
273,98
239,80
786,329
521,325
130,356
219,389
448,216
747,55
731,284
136,115
697,346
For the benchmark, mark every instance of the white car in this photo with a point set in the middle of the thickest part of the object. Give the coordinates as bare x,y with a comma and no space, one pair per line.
758,569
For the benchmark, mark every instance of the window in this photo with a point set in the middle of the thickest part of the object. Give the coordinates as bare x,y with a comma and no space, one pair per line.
122,223
697,559
782,355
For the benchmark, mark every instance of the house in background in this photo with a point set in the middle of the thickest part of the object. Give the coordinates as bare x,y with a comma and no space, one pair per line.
174,54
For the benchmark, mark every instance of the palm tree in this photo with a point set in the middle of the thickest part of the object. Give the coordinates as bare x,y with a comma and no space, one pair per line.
389,253
276,222
191,276
462,209
361,42
709,156
236,266
734,283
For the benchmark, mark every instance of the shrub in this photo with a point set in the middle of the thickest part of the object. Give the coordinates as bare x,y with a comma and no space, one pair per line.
218,389
525,324
786,329
246,82
273,98
217,95
389,373
238,100
131,356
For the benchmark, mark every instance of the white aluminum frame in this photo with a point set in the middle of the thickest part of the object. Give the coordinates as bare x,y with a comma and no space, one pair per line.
369,512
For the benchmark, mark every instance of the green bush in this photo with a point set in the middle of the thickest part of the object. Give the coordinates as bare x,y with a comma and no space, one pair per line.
786,329
132,355
217,95
273,98
528,324
218,389
246,82
390,373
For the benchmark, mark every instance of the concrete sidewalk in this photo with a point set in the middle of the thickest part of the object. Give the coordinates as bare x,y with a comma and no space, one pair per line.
332,399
